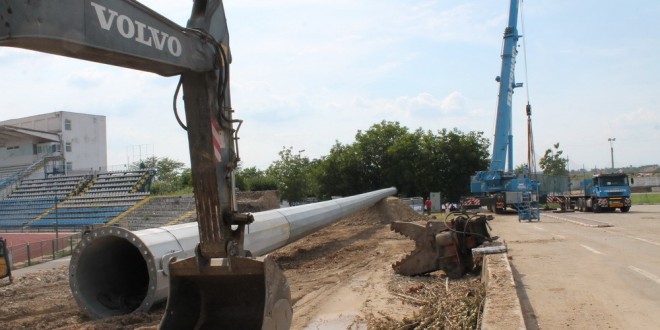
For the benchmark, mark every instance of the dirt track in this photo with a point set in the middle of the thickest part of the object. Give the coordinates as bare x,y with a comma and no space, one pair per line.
340,277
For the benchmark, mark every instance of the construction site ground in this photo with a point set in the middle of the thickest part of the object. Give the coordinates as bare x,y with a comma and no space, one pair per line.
571,270
340,277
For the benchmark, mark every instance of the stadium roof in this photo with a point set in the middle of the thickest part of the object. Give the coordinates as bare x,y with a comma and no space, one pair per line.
9,133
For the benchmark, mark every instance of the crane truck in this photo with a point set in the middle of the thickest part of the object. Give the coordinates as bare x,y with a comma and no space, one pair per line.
603,192
498,187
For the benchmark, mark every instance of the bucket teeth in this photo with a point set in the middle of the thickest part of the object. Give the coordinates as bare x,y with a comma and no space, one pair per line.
419,262
411,230
424,258
440,245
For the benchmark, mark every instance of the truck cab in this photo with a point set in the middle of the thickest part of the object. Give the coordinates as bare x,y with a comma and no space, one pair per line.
607,192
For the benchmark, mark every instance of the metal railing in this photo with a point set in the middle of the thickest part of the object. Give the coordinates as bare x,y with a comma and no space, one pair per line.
28,254
416,203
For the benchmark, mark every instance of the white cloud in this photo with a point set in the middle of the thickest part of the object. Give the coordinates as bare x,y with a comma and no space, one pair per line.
308,73
454,101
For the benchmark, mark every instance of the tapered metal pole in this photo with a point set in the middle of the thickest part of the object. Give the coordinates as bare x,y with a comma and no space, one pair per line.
611,140
114,271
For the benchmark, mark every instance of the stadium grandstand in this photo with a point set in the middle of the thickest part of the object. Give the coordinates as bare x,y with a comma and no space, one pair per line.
54,174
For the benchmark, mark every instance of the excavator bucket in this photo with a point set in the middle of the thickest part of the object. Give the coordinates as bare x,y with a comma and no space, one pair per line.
227,293
5,269
442,245
434,249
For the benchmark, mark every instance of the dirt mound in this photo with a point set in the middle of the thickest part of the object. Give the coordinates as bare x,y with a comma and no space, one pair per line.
340,277
257,201
384,212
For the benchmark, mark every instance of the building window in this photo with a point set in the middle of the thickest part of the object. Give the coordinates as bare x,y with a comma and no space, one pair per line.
69,167
67,124
68,147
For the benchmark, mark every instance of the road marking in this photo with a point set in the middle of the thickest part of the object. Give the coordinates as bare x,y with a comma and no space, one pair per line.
591,249
559,236
645,274
581,221
643,240
539,228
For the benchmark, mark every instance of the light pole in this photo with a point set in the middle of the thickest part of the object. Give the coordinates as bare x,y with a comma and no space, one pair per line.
57,223
611,140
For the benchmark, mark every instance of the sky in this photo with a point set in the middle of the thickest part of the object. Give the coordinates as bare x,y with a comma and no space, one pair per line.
308,74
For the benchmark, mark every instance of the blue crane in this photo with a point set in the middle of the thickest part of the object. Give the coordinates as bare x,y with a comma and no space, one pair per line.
498,187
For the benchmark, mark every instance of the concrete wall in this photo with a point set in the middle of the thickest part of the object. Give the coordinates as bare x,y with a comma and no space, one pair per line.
21,150
87,138
84,135
652,181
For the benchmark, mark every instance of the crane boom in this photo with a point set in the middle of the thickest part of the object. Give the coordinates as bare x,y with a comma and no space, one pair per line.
499,186
503,144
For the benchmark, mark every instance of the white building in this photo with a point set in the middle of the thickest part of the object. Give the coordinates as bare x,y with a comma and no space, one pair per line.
65,142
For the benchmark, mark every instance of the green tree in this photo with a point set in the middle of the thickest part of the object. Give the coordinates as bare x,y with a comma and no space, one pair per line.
293,175
372,146
458,155
261,183
185,178
521,169
243,177
417,163
552,163
339,173
168,177
408,165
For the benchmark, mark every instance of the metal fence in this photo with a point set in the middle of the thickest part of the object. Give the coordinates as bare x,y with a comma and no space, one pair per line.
416,203
28,254
653,181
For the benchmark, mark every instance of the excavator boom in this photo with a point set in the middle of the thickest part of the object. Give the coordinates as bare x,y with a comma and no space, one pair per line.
120,32
221,286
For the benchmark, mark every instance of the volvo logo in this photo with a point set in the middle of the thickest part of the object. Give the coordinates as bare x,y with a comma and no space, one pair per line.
133,29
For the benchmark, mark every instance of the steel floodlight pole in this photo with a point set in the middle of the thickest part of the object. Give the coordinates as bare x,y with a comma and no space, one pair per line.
114,271
611,140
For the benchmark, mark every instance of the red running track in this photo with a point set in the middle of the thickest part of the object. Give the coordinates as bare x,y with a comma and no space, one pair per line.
40,244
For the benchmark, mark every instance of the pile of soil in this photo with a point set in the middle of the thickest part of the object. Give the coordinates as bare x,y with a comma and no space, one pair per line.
257,201
340,277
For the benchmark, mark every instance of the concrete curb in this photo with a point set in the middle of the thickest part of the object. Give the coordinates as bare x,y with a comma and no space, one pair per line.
502,308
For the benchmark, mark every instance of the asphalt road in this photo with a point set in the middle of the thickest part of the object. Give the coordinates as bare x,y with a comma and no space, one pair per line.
572,271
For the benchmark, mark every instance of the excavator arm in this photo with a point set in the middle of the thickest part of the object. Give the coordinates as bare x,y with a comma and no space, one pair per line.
222,286
117,32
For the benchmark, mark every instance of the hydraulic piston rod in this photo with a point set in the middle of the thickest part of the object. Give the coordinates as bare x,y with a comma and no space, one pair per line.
114,271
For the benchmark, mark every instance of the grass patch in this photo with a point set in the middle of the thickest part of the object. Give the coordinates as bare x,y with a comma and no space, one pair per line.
180,192
645,198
